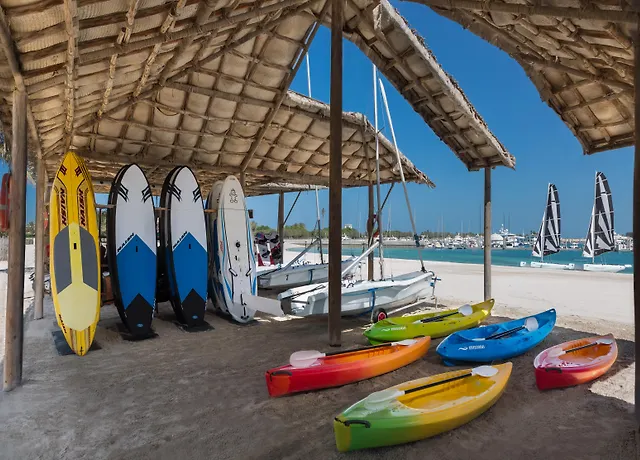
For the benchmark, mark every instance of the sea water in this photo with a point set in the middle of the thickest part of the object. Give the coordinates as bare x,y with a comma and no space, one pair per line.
504,257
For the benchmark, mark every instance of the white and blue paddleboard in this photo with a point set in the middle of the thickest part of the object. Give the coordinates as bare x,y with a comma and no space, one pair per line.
184,239
214,283
236,258
131,243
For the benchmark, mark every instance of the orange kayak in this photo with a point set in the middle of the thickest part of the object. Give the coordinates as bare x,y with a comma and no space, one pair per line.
575,362
344,367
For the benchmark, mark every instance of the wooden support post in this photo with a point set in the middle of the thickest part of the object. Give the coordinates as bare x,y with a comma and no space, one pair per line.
335,176
13,338
636,215
281,224
487,233
41,190
243,182
370,225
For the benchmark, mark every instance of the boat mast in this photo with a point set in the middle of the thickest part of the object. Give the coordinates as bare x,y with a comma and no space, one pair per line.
404,183
593,220
319,223
379,214
319,226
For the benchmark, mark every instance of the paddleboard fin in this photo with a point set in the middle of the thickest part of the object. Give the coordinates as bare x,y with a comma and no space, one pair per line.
269,306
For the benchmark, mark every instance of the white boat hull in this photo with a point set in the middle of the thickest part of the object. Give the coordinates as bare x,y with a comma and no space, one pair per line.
604,268
299,275
362,296
551,266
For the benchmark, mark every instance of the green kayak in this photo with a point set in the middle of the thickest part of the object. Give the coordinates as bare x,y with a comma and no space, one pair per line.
438,324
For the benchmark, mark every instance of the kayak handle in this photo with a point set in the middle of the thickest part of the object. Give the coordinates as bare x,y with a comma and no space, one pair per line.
553,369
280,372
354,422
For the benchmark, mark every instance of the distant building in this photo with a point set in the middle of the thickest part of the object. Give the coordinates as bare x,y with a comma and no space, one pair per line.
348,226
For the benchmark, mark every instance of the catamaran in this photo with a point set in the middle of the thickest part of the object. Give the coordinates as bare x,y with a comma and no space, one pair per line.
548,240
376,297
601,236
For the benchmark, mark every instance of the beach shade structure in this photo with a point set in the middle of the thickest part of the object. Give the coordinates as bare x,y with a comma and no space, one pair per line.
312,370
421,408
497,342
167,116
439,324
575,362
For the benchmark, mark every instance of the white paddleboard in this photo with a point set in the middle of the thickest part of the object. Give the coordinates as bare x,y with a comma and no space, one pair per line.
236,257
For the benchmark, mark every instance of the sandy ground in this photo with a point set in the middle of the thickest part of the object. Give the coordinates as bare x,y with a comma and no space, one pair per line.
203,395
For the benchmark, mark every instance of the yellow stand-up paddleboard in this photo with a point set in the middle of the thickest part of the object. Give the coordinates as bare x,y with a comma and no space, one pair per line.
75,254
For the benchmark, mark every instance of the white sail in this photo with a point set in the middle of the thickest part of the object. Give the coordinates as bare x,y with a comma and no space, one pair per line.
600,237
548,240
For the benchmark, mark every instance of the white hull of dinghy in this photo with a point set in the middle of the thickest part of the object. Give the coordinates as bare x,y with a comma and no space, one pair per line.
604,268
362,296
551,266
299,275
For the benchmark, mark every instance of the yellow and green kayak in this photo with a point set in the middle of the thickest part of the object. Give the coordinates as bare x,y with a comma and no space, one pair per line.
422,413
438,324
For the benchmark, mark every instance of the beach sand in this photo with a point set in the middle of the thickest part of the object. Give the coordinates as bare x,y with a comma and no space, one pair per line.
203,395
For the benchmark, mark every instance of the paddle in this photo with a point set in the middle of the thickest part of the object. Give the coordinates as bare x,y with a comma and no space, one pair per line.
306,358
464,310
530,324
384,396
559,351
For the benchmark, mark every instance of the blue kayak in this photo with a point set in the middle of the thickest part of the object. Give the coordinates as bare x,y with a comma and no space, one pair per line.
497,341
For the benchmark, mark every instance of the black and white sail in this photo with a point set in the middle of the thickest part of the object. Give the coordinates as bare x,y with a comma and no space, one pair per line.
548,241
600,238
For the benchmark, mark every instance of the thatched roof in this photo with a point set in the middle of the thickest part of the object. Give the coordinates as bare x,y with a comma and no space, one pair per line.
578,54
205,83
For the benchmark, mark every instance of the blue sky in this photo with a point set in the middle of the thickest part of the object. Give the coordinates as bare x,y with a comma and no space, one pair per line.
545,149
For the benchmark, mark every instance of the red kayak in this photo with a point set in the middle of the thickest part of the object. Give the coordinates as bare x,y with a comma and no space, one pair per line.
340,368
575,362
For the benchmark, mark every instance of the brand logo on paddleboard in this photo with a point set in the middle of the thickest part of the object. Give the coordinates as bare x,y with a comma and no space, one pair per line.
123,192
179,240
175,191
146,194
472,347
396,328
197,194
233,196
81,210
62,197
124,244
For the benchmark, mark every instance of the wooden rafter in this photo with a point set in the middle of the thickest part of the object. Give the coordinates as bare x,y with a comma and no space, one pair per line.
72,30
283,88
622,16
8,47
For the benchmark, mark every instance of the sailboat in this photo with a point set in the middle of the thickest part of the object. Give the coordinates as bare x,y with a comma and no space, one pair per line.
376,297
601,237
295,274
548,240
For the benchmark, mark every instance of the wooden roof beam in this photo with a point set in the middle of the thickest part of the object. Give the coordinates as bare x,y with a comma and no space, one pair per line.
627,16
284,88
293,177
8,46
187,32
